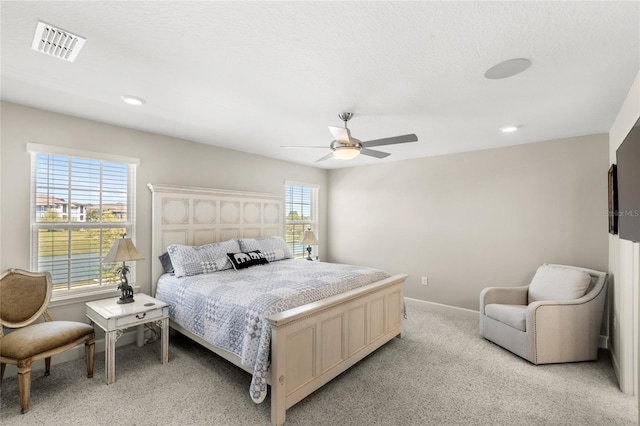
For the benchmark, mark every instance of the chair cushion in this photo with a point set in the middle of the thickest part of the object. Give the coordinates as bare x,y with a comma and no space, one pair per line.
512,315
557,283
26,342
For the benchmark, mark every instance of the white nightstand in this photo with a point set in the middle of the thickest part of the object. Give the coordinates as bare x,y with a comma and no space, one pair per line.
114,318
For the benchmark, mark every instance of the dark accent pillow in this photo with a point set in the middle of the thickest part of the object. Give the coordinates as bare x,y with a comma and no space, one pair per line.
245,259
165,259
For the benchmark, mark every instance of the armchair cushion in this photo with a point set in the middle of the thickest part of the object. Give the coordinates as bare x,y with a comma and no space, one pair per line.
511,315
556,283
26,342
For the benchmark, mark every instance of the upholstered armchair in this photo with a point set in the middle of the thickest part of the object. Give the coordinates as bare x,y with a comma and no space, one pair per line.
556,318
24,296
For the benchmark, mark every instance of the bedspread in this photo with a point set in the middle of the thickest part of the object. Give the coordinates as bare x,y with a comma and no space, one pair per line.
229,308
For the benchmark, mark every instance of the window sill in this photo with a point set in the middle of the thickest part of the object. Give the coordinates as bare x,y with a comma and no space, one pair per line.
88,296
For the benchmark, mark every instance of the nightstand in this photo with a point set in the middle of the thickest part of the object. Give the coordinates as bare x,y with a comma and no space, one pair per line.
114,319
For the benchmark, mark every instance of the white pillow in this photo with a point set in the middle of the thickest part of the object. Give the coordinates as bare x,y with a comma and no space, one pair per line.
205,259
557,283
273,248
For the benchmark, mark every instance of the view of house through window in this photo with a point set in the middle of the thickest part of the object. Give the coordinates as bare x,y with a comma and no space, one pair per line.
301,206
79,207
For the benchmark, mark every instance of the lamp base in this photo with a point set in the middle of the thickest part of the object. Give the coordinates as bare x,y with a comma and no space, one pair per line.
124,300
124,287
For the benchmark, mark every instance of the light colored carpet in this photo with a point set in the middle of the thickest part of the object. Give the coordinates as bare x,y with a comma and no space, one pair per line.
440,373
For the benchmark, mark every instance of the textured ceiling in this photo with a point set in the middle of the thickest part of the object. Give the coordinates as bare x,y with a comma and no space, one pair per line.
253,76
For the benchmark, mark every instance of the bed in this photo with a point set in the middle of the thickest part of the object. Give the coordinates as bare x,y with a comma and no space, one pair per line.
302,347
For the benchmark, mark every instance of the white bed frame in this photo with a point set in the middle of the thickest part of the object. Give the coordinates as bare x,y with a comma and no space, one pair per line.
311,344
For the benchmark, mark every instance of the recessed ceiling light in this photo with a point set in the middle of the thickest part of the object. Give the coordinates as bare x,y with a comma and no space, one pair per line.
507,68
508,129
132,100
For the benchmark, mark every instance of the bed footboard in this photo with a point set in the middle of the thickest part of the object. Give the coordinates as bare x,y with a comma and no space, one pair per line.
313,344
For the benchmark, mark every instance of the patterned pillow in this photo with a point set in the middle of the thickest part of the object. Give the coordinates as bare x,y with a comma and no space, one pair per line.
245,259
273,248
165,259
196,260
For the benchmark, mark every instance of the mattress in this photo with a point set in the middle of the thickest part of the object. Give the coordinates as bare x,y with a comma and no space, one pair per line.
229,308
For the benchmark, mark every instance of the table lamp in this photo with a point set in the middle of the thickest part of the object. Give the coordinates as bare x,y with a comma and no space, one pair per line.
123,250
309,239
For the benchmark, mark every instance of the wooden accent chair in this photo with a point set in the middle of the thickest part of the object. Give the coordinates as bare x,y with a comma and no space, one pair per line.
24,296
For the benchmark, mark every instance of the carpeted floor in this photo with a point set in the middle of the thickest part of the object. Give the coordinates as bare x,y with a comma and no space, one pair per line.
440,373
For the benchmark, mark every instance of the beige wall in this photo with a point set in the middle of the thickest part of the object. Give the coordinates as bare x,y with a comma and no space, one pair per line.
163,160
624,266
466,221
477,219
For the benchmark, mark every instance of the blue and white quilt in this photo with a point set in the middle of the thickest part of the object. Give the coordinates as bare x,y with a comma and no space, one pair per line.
228,308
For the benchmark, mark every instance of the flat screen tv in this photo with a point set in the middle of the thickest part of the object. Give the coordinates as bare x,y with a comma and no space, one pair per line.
628,171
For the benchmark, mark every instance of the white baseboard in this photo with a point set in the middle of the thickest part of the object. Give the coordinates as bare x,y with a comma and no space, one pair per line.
447,309
616,366
471,314
73,353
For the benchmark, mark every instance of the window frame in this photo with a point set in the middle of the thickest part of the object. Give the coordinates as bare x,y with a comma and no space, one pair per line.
312,222
104,289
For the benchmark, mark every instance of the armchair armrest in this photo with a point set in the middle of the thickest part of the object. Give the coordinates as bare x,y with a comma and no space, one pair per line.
566,330
504,295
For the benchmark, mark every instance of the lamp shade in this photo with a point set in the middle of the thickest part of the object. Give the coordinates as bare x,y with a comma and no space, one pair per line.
123,250
309,238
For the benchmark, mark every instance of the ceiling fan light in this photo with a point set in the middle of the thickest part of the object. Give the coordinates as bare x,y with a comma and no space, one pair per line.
346,152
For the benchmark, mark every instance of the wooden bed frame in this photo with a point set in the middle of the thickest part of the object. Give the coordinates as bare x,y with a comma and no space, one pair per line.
311,344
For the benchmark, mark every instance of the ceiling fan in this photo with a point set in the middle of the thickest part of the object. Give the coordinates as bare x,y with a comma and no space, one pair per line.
346,147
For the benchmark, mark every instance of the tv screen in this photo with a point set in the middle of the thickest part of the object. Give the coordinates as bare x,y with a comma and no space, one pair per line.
628,171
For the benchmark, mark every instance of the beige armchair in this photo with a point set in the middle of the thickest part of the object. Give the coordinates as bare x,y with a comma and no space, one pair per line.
24,296
556,318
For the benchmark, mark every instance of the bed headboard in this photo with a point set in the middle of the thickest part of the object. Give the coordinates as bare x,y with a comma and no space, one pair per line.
196,216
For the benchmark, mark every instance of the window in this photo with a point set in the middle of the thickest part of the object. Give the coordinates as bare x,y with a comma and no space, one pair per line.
301,207
80,203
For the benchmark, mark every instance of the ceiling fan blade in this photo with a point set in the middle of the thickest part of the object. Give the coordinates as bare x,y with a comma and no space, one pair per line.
298,146
341,134
326,157
390,141
374,153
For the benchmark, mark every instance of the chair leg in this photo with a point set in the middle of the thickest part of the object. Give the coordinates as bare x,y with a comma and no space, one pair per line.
47,366
2,367
90,348
24,383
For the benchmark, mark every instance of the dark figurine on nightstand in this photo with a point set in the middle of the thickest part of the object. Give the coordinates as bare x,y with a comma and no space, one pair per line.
127,290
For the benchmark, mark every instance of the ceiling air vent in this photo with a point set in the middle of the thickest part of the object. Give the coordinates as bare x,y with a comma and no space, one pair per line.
56,42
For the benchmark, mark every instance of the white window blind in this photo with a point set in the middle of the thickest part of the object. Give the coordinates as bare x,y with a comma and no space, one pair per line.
301,211
80,203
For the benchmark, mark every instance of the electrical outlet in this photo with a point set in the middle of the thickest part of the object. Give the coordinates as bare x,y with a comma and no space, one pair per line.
425,281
